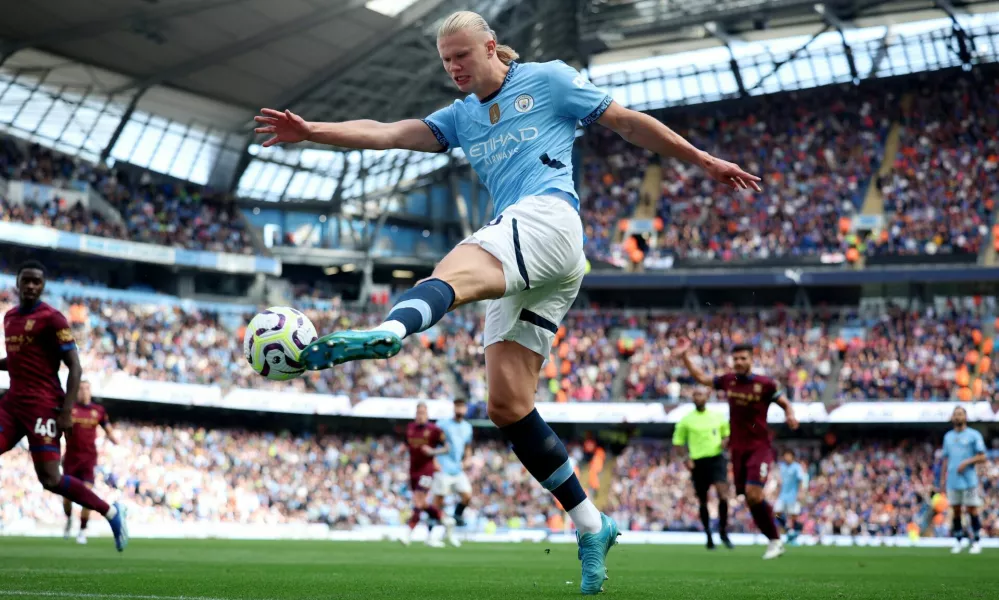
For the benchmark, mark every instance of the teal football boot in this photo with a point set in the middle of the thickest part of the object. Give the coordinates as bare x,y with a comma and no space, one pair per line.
345,346
593,549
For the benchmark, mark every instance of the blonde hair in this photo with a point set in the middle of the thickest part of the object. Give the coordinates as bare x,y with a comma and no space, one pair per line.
467,20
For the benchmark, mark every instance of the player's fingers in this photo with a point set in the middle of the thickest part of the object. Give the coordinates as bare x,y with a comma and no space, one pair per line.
265,130
270,112
270,142
268,120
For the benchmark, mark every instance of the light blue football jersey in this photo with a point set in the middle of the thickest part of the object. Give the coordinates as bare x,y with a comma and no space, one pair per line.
958,447
792,478
458,436
519,139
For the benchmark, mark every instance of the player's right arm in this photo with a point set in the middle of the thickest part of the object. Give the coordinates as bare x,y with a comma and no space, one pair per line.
288,128
680,443
683,349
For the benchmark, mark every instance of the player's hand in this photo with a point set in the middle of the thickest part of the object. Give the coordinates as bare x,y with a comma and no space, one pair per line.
427,450
65,422
690,464
730,174
286,127
682,347
792,421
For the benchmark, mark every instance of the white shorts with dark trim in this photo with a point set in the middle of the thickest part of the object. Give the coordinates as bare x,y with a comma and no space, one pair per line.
539,241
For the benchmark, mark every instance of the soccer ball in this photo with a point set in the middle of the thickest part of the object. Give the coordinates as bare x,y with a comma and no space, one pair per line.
274,341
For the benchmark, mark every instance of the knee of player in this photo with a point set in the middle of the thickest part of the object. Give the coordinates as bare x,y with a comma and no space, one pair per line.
754,495
505,413
50,480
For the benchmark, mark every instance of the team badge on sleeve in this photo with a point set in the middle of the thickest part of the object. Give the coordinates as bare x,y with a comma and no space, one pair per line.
64,336
523,103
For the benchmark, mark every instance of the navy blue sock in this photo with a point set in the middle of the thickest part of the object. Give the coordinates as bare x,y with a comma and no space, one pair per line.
957,529
422,306
976,527
543,455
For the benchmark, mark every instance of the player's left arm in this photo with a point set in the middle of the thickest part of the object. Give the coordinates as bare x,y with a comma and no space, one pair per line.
781,400
645,131
71,358
108,430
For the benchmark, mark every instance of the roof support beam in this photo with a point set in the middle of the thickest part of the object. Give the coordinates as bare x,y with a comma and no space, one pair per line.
125,116
721,35
239,48
833,20
98,27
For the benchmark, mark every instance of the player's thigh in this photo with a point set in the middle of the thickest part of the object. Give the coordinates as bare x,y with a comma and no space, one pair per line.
473,272
11,430
462,486
739,474
758,466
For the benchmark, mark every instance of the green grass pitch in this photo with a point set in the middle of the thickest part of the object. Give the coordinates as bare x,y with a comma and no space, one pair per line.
44,569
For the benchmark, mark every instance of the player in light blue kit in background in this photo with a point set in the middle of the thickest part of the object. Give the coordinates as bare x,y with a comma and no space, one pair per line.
517,126
451,477
793,483
963,449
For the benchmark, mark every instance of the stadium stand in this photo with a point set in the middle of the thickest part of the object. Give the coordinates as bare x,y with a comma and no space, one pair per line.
154,211
816,159
940,194
184,473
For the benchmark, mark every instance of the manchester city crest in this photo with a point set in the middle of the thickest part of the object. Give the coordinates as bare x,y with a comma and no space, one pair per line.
523,103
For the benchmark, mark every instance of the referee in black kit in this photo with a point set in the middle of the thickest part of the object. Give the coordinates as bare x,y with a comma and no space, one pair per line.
703,431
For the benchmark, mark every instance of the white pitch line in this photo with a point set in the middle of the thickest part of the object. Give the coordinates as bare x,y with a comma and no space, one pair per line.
20,593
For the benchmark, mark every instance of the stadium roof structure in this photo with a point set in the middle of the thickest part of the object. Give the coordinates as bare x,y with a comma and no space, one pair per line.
172,84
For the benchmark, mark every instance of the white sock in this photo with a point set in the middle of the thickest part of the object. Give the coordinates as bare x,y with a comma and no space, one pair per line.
586,517
392,327
112,512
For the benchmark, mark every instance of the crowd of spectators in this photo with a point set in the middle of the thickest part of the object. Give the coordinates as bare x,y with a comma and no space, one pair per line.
191,474
156,212
816,157
873,488
793,347
913,354
154,342
185,473
941,192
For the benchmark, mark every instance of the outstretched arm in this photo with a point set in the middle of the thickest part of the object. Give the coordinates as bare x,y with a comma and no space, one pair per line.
683,349
288,128
642,130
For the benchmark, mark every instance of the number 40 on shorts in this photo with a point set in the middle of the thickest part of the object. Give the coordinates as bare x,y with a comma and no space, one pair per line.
45,428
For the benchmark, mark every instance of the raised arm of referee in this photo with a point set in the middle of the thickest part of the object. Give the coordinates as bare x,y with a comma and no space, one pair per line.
702,432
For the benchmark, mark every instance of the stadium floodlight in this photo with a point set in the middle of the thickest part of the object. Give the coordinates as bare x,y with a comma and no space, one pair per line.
402,274
348,268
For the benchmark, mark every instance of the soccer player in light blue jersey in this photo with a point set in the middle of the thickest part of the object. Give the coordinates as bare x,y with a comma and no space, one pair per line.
793,483
963,449
516,126
451,478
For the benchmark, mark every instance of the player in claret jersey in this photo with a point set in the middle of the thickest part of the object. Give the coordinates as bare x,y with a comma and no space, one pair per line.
38,340
749,398
425,442
80,460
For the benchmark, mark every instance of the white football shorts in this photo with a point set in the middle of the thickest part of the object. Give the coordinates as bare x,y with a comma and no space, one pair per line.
539,241
969,497
445,484
787,507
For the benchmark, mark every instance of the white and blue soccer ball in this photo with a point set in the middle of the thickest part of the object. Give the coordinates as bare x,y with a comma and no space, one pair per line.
274,341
